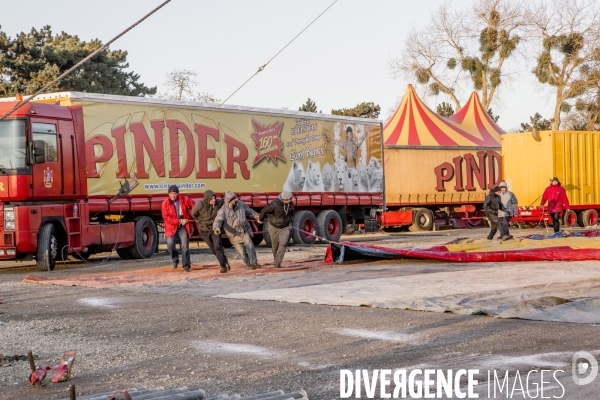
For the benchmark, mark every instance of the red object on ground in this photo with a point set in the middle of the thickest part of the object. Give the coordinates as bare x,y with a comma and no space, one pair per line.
345,251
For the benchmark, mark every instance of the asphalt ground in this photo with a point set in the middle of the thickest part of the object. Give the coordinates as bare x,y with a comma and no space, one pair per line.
134,336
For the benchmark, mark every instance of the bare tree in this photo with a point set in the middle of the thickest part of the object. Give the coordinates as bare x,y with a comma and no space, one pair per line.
569,57
475,41
181,85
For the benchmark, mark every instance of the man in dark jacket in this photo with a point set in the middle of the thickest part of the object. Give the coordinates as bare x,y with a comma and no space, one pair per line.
280,212
491,206
205,212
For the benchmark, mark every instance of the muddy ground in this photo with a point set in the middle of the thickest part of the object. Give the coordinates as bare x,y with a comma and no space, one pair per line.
138,336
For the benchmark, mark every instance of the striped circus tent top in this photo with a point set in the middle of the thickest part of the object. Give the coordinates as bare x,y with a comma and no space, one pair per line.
414,124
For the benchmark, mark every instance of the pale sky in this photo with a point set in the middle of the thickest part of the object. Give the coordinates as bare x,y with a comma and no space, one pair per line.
340,61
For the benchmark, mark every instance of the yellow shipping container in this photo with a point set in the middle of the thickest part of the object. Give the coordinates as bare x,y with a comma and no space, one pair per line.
529,163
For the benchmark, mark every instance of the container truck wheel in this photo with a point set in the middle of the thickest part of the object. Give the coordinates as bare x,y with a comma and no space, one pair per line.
422,221
305,221
146,238
588,218
266,235
329,224
47,248
570,218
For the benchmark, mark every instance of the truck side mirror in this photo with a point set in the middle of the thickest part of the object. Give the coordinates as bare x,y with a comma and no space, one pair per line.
39,151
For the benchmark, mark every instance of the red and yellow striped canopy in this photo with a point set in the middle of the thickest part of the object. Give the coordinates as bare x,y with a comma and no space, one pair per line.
414,124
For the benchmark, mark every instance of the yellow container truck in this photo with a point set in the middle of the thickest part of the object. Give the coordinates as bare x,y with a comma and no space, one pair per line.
529,161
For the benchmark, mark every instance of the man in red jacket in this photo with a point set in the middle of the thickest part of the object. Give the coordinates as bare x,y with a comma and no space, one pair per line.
176,215
556,196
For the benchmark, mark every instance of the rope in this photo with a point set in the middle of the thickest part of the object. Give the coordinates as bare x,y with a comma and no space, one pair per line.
260,69
73,68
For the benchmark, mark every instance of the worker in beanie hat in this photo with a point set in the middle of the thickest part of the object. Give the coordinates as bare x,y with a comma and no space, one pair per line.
280,212
175,211
232,218
491,206
556,196
510,203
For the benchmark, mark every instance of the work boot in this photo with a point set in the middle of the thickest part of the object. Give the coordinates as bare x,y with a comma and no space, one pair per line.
256,266
508,237
186,269
500,237
277,266
227,266
223,269
175,264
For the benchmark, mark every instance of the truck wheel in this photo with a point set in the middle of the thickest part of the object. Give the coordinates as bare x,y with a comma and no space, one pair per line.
146,238
305,221
47,248
266,235
422,221
329,224
588,218
570,218
124,253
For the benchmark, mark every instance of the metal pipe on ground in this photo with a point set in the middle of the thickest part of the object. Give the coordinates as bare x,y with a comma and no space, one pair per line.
294,395
195,395
149,396
263,395
105,394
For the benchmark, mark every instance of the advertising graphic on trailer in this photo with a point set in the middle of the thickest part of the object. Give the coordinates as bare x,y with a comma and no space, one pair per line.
199,149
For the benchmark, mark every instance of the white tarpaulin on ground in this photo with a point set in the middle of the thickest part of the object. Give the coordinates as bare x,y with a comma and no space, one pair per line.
552,291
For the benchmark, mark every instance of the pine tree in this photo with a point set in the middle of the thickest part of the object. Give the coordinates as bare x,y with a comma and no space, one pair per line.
362,110
309,106
31,60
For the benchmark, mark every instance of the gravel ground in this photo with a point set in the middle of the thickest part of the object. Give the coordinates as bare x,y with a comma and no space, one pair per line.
127,338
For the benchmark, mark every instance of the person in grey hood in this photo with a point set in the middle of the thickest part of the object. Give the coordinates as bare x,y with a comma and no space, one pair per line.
233,218
205,212
510,203
280,212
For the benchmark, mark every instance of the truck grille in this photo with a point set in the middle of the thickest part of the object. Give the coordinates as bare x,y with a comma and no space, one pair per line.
8,239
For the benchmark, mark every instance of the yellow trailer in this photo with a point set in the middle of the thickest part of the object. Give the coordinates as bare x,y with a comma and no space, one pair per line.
530,161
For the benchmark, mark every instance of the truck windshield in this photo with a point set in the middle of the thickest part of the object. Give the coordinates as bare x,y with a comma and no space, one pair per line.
12,144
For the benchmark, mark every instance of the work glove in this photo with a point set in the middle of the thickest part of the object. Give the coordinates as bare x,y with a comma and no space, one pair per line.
217,231
259,221
184,221
541,209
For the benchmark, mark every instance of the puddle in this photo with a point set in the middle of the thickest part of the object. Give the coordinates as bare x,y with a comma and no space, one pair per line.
99,302
391,336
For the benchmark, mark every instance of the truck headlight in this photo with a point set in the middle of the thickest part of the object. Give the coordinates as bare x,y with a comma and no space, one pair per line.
9,216
9,225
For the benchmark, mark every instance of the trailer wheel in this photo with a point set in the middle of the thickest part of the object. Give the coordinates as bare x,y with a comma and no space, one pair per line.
124,253
304,221
422,221
47,248
146,238
329,224
266,235
570,218
588,218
